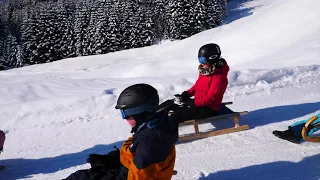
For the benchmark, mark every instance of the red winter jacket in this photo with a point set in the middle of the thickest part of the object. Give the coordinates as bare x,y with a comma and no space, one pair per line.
208,90
2,138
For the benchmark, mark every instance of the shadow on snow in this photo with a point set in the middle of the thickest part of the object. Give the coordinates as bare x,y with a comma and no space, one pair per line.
235,11
26,168
308,168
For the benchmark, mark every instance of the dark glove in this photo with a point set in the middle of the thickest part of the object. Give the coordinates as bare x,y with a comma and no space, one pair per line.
185,96
113,160
109,161
189,103
96,160
115,154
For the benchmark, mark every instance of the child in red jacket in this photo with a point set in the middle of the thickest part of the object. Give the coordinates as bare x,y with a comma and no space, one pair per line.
2,139
208,90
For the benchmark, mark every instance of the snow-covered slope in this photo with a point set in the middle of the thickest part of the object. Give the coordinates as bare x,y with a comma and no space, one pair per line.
56,114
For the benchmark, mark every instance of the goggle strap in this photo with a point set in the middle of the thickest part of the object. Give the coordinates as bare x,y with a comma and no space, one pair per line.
123,114
136,110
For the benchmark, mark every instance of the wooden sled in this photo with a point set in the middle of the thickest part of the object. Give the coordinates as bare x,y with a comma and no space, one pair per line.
224,113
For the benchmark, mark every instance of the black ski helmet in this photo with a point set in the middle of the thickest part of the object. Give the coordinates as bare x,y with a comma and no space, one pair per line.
137,99
209,52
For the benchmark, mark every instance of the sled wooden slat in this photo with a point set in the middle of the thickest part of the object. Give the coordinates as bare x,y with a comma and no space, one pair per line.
213,118
225,113
201,135
196,127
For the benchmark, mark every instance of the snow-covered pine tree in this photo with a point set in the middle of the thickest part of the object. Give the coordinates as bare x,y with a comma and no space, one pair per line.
98,28
146,27
65,24
128,19
13,55
160,18
220,8
2,40
174,10
82,20
19,56
216,11
92,28
197,16
5,10
48,48
29,37
137,26
114,35
180,11
188,17
101,44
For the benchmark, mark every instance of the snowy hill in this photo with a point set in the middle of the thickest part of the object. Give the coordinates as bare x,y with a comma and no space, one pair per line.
56,114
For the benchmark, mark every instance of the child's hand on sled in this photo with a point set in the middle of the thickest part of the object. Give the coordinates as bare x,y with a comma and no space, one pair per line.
178,99
185,96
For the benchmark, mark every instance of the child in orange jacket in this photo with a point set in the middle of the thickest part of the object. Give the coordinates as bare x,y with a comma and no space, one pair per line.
150,153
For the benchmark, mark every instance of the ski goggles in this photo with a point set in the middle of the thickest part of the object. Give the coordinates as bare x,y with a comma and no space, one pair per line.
126,113
203,60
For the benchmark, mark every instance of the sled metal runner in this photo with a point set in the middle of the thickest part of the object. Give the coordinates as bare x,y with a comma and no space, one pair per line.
224,113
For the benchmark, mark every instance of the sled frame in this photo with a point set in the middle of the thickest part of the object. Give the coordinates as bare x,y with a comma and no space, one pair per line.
307,127
199,135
